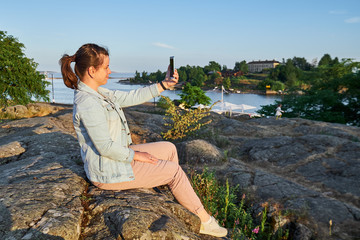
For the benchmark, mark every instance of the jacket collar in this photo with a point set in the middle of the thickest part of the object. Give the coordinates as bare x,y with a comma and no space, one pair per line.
100,93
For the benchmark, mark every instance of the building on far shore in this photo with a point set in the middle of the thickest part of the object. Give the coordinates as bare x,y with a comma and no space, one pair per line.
259,66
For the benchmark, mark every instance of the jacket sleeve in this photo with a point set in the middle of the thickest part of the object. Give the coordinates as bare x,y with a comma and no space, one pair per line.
135,97
93,118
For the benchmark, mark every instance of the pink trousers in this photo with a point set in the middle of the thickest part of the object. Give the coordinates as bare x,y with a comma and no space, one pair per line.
166,172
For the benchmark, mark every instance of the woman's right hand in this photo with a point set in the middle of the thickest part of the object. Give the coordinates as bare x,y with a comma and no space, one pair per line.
145,157
171,81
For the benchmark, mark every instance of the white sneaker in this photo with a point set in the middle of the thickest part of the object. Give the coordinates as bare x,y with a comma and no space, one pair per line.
213,228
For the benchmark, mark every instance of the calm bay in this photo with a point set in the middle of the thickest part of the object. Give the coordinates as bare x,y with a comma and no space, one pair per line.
62,94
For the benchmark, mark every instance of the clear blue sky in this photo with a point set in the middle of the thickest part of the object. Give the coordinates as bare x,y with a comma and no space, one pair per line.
142,34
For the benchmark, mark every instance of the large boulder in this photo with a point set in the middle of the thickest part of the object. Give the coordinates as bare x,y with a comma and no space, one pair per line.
31,110
145,127
199,152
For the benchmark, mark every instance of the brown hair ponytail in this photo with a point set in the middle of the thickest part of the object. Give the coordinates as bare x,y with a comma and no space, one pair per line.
69,77
88,55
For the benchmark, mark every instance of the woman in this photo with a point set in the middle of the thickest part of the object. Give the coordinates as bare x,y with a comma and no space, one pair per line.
111,162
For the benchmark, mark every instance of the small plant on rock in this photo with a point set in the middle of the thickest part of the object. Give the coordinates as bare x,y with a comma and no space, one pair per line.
183,121
222,202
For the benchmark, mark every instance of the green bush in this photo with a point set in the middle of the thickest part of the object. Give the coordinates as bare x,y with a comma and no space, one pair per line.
162,103
222,202
274,85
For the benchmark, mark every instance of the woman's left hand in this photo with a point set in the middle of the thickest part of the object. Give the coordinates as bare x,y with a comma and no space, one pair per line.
145,157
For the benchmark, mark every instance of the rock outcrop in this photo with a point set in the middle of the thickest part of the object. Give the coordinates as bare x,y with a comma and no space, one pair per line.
44,193
31,110
308,168
41,179
305,168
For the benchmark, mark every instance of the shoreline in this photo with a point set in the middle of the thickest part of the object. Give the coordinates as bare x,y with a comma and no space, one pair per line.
258,92
125,81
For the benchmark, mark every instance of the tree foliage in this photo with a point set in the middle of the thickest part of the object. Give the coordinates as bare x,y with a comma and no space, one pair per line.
216,79
192,95
274,85
287,73
326,60
192,74
145,77
241,66
334,95
301,63
227,83
20,83
182,74
212,67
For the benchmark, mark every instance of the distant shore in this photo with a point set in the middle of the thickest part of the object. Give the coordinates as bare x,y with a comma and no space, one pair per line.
126,81
248,91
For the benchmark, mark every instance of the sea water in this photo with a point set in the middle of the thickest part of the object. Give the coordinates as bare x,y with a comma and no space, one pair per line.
62,94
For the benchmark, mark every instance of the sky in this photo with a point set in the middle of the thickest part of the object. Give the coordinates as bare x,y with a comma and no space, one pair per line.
142,34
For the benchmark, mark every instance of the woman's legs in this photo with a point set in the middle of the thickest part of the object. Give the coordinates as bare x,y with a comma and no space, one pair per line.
166,171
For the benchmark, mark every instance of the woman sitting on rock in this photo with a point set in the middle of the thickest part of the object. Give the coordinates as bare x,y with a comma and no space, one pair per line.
111,162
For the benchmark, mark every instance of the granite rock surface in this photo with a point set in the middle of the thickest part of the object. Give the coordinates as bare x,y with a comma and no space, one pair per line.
306,168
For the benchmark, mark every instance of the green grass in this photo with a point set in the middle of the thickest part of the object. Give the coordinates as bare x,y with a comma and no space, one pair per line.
232,212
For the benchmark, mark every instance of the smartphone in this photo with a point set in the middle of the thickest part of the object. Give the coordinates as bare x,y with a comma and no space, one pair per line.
172,66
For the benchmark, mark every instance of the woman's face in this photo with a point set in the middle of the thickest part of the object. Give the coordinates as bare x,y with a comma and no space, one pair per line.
101,75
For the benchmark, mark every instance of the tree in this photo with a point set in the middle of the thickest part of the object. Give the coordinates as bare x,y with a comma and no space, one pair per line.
325,60
329,76
292,73
198,80
227,83
20,83
144,76
196,76
216,78
241,66
287,73
352,97
212,67
159,75
182,74
334,96
137,77
301,63
192,95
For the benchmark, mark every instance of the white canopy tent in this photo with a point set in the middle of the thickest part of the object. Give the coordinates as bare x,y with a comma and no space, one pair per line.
226,106
230,107
244,107
200,106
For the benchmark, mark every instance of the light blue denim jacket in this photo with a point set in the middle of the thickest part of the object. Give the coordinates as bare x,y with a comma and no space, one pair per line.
103,132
